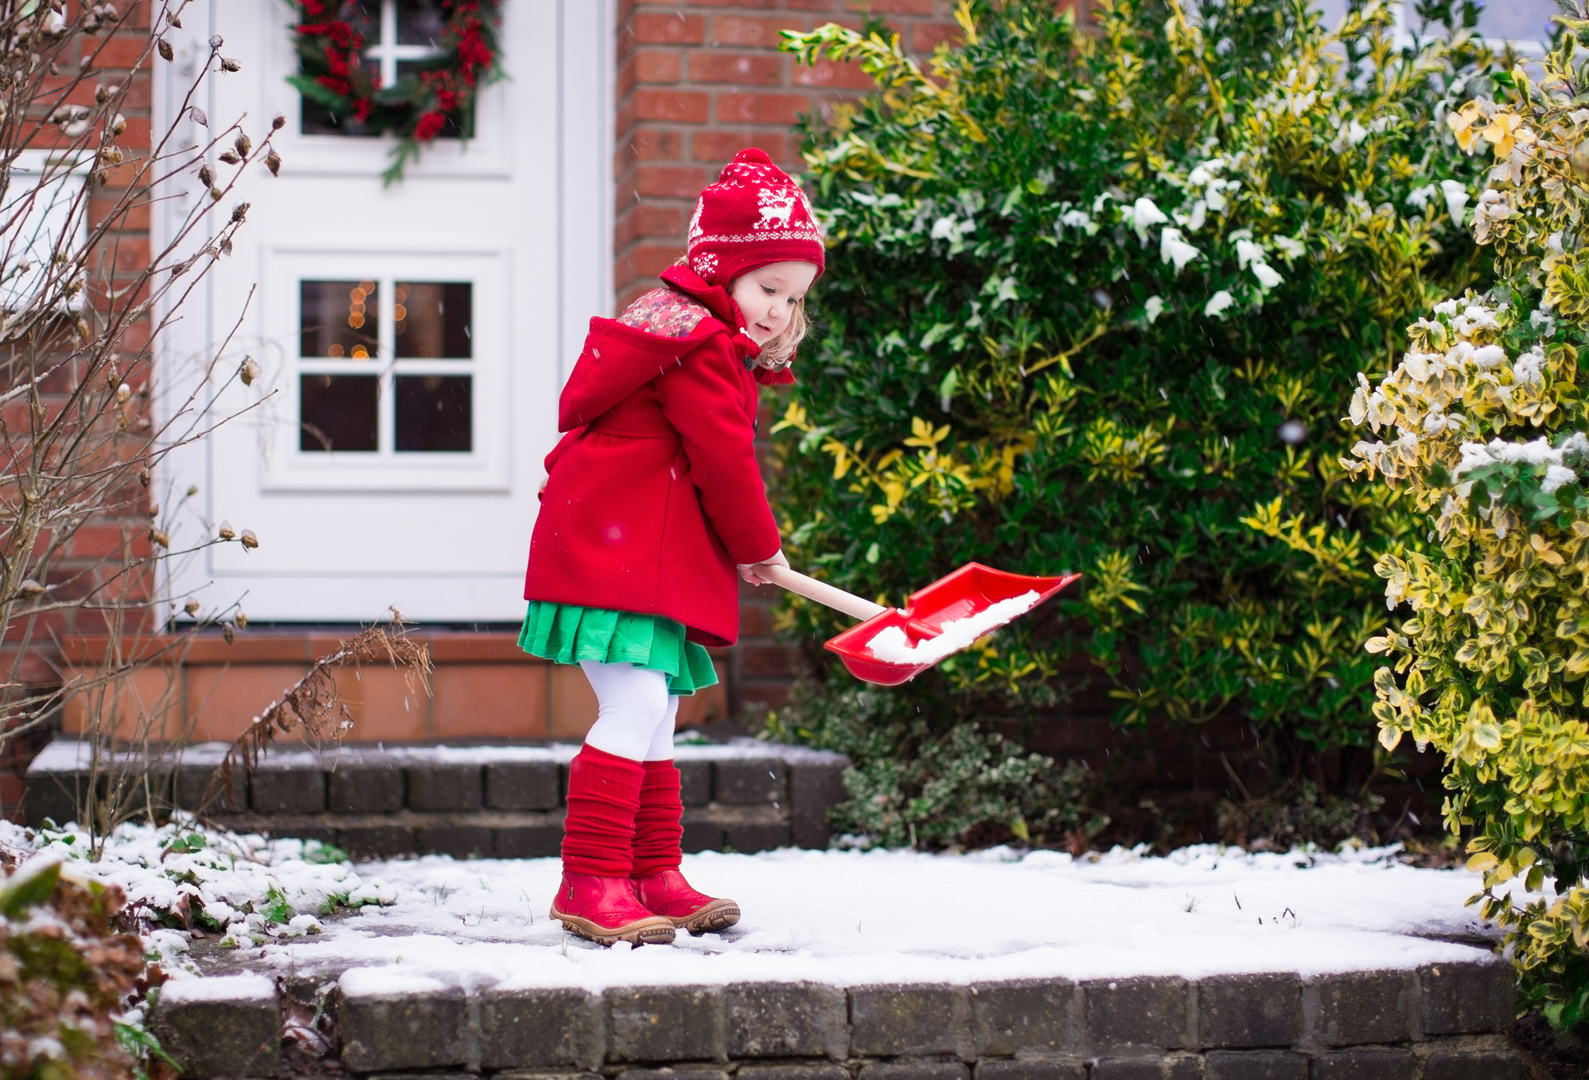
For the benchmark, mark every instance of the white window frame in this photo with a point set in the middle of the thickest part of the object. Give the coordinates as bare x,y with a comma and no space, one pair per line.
387,51
482,468
487,154
61,209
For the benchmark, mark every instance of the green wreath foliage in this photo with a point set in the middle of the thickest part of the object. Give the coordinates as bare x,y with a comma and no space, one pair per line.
436,97
1092,301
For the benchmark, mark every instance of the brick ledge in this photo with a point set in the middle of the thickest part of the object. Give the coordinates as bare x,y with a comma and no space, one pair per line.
1430,1023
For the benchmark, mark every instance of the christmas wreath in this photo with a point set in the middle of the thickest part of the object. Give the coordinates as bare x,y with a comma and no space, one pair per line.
437,96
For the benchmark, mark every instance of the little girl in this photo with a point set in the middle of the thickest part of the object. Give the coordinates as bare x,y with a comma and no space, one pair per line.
653,501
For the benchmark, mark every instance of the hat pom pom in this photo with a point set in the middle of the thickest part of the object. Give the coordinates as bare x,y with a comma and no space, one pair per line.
752,156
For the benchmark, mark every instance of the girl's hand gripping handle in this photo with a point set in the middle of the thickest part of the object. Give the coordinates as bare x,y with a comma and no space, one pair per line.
820,591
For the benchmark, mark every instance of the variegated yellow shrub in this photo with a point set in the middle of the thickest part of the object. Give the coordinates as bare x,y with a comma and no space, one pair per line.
1481,426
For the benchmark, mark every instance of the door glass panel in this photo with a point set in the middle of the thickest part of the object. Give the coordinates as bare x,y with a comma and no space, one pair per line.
420,22
386,366
317,119
434,413
337,412
337,319
433,320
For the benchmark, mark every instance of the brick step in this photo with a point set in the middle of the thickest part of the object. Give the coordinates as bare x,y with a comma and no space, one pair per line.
498,801
1446,1022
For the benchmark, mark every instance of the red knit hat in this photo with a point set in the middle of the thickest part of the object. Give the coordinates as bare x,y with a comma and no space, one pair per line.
754,215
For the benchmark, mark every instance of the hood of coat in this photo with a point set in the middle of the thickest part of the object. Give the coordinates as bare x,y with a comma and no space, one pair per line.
617,361
722,306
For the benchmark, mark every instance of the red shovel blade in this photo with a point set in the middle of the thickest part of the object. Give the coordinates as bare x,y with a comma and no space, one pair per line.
969,590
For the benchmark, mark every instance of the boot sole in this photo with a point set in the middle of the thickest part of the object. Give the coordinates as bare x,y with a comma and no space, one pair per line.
653,931
718,915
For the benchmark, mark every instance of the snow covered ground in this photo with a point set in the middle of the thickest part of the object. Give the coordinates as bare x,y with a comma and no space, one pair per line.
68,755
841,917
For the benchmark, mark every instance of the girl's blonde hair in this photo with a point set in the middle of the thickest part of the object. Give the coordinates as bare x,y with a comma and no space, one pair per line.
780,351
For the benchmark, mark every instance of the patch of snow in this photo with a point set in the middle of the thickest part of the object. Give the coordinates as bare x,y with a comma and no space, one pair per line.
303,924
62,755
373,892
841,917
1456,198
1537,452
890,643
849,918
218,988
386,982
1174,249
252,886
67,755
1141,214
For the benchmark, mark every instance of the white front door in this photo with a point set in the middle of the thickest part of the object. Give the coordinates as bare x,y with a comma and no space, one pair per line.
411,339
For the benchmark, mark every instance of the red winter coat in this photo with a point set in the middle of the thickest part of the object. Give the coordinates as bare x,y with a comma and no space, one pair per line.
654,494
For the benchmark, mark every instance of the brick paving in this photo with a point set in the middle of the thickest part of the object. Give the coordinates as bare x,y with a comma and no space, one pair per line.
1267,1026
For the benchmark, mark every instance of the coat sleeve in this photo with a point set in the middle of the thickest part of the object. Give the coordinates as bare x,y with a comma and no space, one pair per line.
704,399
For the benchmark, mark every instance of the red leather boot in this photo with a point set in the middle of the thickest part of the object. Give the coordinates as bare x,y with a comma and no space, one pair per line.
596,898
606,910
657,853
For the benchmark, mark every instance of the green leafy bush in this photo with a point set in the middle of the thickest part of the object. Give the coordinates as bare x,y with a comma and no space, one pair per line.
1091,304
1482,426
917,783
64,972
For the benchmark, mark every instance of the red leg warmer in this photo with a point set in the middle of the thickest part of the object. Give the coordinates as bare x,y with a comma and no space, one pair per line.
657,828
603,795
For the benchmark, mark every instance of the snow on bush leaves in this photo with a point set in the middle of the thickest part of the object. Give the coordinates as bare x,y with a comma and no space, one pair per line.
183,875
1079,284
1482,429
1092,303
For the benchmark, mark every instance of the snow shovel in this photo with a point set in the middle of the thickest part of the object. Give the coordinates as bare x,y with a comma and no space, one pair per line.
894,645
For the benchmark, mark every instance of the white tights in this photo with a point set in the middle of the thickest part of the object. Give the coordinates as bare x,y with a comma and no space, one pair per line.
635,713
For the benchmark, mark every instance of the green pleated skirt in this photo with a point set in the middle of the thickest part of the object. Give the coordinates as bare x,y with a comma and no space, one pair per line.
567,634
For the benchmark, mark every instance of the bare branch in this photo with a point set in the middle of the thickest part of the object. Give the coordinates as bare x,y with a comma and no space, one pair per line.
314,706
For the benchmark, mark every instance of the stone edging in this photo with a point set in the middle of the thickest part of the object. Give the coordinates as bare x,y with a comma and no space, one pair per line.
502,802
1441,1022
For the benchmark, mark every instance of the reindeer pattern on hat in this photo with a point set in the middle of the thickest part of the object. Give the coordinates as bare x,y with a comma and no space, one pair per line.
775,206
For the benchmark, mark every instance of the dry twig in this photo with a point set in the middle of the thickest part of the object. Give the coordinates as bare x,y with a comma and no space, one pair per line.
314,705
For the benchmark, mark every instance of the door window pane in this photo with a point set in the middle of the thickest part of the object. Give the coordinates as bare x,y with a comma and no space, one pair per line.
338,319
386,366
434,413
433,320
317,119
420,22
337,412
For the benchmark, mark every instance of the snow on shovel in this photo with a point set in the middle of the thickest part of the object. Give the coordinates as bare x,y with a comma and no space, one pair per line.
894,645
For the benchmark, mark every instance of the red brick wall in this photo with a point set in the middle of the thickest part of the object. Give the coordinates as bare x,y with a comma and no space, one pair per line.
697,81
119,258
701,79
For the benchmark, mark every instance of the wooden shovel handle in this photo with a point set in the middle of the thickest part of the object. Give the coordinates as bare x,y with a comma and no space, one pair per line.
820,591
